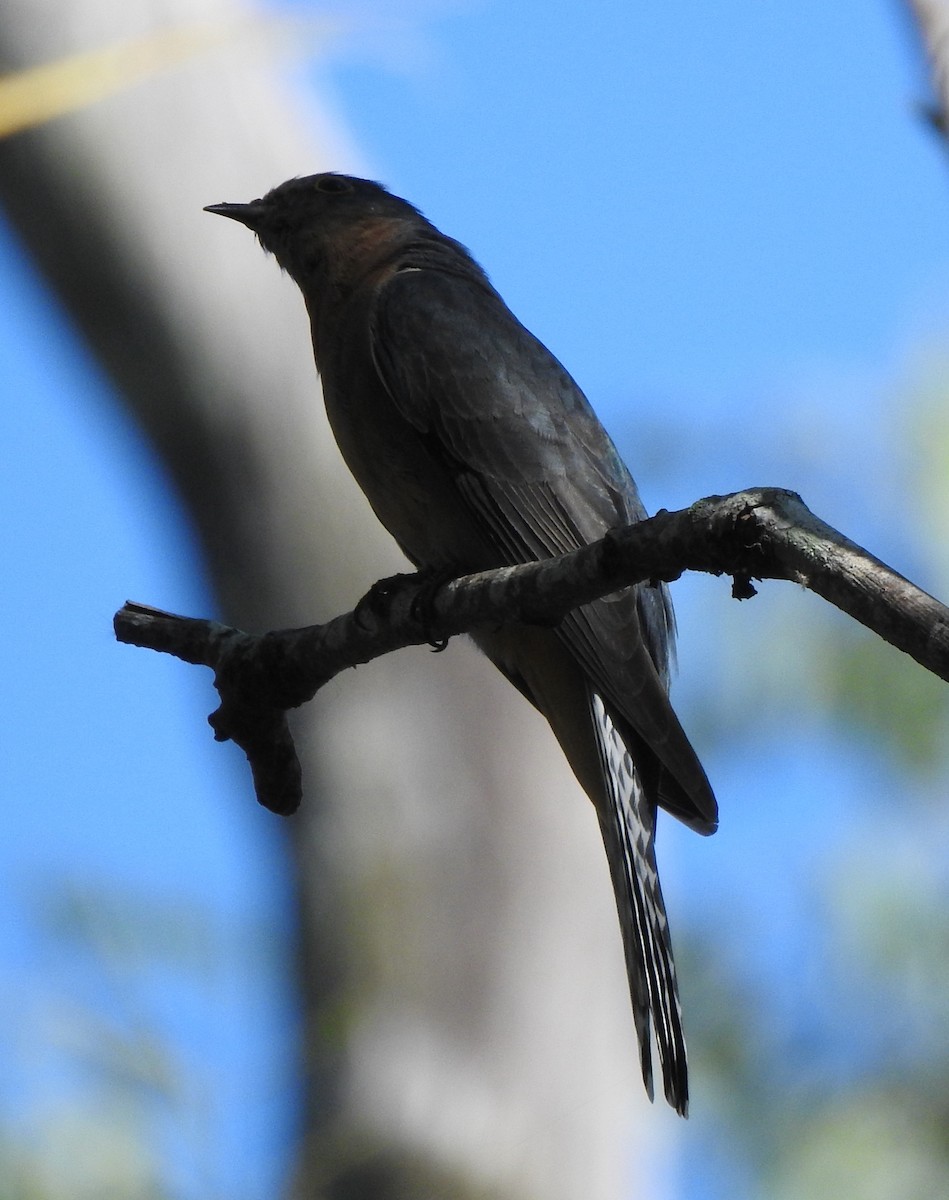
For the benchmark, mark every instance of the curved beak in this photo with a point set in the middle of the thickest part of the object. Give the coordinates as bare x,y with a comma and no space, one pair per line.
250,215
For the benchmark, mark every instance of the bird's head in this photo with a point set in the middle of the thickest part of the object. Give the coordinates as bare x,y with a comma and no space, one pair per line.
322,225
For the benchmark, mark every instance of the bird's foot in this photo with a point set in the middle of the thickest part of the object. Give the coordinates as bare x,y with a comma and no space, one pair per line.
431,580
378,601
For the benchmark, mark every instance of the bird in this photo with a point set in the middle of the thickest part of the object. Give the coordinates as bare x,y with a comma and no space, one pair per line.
476,450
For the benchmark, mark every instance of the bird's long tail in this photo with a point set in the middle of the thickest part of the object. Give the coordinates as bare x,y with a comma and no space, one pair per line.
628,826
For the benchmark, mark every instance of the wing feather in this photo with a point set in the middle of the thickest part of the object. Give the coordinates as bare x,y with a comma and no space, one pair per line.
541,477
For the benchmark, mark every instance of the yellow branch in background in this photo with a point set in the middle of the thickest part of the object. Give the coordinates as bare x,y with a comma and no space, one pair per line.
39,94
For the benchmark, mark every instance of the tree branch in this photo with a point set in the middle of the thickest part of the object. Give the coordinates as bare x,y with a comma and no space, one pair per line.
763,533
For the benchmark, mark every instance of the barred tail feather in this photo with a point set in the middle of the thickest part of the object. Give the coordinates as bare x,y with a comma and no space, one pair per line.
628,825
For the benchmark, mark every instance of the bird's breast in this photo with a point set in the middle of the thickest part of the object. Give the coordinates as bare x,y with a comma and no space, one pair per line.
409,485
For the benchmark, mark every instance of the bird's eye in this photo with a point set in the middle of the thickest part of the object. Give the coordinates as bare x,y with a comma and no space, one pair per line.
333,183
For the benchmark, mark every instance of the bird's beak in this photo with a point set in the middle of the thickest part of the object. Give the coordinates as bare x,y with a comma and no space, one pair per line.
250,215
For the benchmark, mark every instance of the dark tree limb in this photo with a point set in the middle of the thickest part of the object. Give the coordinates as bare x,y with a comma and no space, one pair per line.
763,533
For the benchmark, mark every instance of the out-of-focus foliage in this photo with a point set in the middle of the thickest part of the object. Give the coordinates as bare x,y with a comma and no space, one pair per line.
105,1094
840,1085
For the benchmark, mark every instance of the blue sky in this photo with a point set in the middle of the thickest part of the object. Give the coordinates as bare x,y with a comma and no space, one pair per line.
726,221
721,195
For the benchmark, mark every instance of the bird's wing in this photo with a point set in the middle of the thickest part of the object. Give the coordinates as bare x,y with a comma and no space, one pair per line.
541,477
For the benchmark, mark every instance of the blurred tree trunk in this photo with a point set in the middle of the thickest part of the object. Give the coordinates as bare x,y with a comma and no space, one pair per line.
931,20
466,1021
